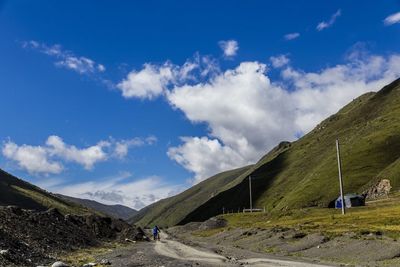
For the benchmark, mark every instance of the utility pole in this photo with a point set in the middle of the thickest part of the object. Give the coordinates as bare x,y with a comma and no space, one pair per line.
340,176
251,201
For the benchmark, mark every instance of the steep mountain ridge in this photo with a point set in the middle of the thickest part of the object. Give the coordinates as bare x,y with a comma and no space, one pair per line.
304,173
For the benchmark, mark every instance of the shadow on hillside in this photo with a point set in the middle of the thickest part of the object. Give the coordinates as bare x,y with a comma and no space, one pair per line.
9,195
237,197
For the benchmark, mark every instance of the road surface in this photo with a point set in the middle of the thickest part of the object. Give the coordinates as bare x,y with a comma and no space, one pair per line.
181,252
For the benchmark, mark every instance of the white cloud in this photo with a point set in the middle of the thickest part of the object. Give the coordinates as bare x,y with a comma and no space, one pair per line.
247,114
191,155
86,157
122,147
291,36
392,19
34,159
121,190
81,65
101,68
153,80
326,24
229,48
49,158
66,59
279,61
149,82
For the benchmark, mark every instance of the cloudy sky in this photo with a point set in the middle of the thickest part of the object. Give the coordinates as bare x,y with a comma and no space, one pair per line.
131,102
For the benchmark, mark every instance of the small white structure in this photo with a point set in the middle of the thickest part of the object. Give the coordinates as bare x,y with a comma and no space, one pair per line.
253,210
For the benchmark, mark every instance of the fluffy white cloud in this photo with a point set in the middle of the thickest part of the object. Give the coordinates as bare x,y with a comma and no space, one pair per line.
247,114
149,82
66,59
191,155
229,48
50,157
153,80
34,159
392,19
326,24
291,36
279,61
243,110
121,190
86,157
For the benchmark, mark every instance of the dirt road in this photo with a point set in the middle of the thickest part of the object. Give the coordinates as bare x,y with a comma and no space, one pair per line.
181,252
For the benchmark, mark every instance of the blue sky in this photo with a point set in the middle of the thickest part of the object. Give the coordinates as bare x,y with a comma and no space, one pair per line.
130,102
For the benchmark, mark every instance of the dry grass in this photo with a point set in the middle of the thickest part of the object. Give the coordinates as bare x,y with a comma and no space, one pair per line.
83,256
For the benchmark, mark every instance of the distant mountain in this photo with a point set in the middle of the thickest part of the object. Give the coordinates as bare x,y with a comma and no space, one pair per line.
116,211
302,173
16,192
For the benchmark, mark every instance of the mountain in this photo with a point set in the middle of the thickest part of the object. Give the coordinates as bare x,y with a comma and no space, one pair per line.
171,211
302,173
116,211
16,192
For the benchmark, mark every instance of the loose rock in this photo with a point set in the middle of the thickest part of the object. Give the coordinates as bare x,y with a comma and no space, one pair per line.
105,262
59,264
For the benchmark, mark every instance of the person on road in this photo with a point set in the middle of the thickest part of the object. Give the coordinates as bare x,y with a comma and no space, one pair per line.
156,233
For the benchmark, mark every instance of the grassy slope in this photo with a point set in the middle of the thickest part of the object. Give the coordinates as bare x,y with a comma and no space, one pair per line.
14,191
171,211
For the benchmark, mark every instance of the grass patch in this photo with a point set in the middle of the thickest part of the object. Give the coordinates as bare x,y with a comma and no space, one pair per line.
270,250
86,255
209,232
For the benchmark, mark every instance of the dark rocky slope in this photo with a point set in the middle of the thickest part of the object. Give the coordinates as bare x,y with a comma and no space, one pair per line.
31,238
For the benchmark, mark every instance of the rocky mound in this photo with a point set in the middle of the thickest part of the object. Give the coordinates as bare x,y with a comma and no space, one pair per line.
379,190
31,238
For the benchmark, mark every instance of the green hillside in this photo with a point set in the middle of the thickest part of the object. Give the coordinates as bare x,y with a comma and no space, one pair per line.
304,173
16,192
171,211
